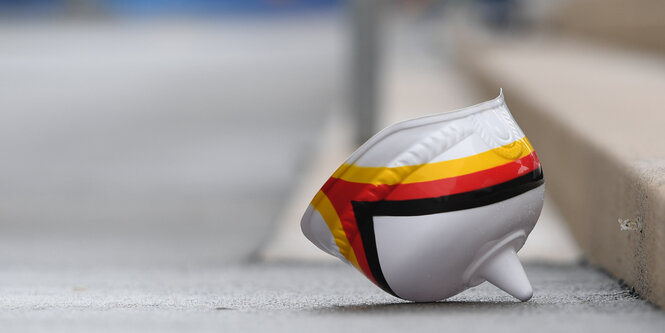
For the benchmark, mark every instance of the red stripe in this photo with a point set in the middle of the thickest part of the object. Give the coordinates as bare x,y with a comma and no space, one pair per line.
465,183
341,200
341,193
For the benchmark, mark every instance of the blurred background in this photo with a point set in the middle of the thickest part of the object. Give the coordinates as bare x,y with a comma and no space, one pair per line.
195,132
157,132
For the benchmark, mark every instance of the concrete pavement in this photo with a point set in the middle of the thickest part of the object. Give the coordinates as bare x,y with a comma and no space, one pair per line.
304,297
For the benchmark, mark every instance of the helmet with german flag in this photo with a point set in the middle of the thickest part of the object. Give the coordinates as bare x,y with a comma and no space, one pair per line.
431,206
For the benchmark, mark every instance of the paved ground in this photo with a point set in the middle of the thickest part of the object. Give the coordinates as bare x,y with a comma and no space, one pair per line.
305,297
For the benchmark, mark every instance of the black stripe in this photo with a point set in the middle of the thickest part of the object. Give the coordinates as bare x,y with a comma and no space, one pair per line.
365,220
467,200
366,210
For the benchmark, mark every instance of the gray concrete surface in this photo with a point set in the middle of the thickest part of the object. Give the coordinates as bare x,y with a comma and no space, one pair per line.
304,297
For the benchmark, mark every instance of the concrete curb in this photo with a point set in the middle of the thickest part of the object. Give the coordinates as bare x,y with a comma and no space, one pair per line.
595,117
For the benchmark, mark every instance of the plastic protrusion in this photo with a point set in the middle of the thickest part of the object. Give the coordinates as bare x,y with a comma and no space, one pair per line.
505,271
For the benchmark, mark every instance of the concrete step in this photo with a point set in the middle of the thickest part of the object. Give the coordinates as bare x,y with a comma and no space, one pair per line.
635,24
596,117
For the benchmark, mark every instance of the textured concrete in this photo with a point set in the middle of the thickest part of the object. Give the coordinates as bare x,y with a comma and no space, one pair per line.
595,117
304,298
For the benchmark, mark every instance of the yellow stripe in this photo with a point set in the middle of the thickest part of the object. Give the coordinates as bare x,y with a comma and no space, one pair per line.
327,211
438,170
